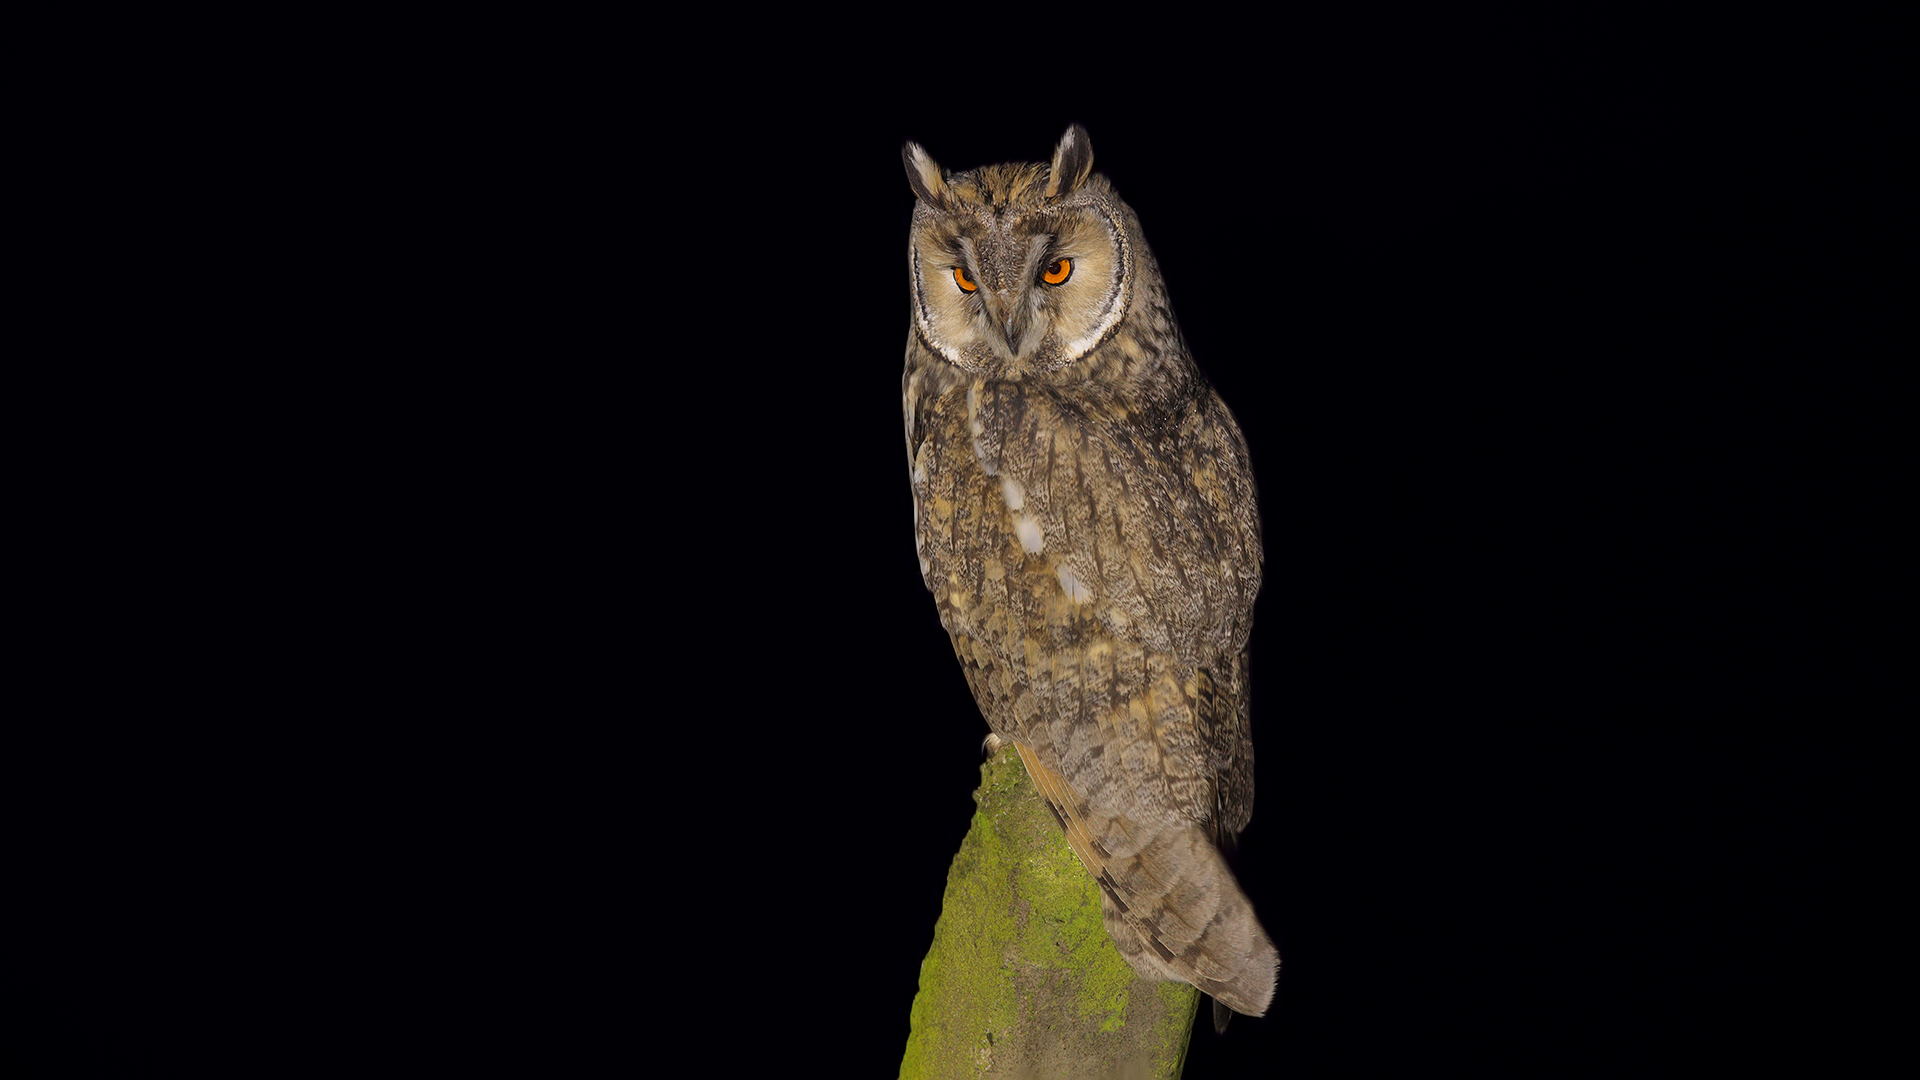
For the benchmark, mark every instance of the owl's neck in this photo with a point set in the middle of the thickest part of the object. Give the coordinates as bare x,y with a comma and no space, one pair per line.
1151,381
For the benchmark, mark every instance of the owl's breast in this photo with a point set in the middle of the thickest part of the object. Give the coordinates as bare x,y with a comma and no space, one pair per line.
965,536
1060,515
1087,601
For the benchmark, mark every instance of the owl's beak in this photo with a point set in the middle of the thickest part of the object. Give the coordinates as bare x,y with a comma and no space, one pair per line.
1010,317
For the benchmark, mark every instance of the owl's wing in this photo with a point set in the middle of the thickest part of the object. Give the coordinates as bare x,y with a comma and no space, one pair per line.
1139,549
1098,579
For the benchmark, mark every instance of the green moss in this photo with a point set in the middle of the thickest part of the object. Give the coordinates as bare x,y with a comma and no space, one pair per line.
1175,1027
1021,964
961,998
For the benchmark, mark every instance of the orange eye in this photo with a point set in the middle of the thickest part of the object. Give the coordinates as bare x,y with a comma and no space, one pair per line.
1059,272
960,279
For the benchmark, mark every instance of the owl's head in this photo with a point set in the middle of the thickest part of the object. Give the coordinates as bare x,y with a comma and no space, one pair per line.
1024,268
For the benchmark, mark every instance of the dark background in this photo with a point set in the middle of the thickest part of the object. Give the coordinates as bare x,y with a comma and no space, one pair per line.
1437,276
611,720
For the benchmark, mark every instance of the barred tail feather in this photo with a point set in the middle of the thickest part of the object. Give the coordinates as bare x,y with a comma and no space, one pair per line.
1170,902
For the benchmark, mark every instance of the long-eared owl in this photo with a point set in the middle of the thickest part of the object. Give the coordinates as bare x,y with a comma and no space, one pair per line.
1085,516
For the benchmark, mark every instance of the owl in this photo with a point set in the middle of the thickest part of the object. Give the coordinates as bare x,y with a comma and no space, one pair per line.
1085,517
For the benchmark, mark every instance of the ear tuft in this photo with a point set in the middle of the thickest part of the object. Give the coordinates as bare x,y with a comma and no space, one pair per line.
928,179
1072,163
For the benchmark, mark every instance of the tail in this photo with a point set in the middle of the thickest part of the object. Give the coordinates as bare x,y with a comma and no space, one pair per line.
1172,906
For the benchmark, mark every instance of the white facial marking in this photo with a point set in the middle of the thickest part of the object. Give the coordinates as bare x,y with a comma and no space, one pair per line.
1078,348
920,310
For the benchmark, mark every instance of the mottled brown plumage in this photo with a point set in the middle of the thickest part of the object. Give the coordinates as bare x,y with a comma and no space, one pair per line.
1085,516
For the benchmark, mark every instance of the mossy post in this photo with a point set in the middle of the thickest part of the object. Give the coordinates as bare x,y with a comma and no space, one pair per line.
1022,979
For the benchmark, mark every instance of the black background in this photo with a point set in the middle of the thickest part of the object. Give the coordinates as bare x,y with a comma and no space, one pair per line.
611,722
